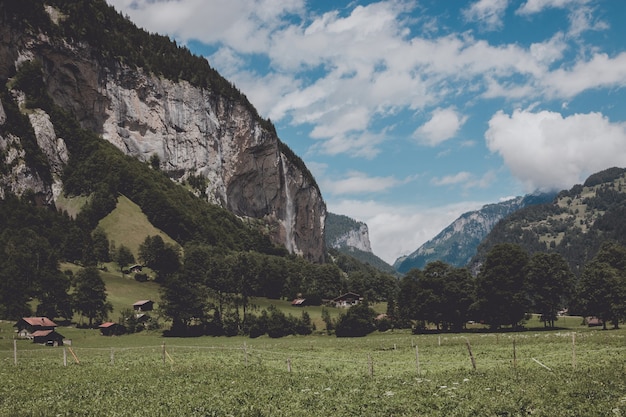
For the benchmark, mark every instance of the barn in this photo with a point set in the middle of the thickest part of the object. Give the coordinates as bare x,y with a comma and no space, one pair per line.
26,326
47,337
111,329
143,305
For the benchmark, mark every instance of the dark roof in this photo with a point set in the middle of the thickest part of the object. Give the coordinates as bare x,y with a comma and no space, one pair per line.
347,295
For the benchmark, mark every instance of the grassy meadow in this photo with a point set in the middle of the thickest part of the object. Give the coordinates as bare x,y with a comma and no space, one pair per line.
573,371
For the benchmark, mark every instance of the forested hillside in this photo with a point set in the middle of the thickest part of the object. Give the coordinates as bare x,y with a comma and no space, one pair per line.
574,226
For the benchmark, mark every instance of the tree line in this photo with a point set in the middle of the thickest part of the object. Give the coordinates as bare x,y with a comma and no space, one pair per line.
511,284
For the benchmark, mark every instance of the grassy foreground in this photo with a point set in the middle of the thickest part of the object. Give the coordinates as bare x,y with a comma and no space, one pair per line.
572,372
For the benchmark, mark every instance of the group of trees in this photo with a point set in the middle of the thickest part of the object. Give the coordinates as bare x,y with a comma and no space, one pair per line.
510,285
33,241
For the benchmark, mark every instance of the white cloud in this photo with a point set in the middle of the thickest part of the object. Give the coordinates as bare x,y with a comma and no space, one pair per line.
244,25
397,230
488,13
601,71
466,179
357,182
443,125
538,6
458,178
545,150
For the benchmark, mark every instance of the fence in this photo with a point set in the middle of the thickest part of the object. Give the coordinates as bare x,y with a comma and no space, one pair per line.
418,355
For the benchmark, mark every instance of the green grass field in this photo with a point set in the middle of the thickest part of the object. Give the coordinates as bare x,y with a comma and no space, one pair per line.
554,374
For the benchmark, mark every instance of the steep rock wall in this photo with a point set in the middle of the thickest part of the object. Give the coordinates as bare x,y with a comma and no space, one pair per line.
193,131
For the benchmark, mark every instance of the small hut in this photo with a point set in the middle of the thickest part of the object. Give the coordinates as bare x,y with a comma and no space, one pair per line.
143,305
47,337
111,329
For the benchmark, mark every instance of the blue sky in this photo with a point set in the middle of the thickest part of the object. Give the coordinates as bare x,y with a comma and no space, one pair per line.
411,112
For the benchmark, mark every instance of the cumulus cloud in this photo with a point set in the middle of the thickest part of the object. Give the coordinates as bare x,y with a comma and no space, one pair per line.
545,150
443,125
357,182
537,6
488,13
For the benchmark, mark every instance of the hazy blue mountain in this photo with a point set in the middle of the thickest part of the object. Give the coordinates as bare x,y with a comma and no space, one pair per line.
457,243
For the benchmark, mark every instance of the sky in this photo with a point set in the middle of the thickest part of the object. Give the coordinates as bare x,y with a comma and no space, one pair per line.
412,112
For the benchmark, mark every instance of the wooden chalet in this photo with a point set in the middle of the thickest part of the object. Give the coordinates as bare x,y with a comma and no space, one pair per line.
298,302
348,299
48,337
26,326
111,329
143,305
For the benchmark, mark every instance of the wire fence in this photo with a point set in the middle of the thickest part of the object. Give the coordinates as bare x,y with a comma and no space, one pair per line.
386,357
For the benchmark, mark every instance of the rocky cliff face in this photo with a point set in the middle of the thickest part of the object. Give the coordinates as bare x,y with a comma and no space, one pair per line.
193,131
355,238
343,231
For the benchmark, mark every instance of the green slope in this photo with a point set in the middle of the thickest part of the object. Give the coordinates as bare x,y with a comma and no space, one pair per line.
127,225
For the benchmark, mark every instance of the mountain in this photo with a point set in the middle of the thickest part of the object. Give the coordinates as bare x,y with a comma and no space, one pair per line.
457,243
351,238
574,225
72,67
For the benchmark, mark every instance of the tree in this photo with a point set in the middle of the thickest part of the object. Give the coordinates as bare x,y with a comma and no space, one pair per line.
160,256
90,298
183,300
124,257
407,295
549,281
500,286
100,245
357,322
602,287
458,298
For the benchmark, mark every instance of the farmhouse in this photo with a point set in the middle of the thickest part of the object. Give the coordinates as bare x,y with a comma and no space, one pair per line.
26,326
348,299
143,305
48,337
110,328
298,302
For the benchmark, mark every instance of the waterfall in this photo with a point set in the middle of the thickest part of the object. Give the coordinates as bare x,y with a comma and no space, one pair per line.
290,217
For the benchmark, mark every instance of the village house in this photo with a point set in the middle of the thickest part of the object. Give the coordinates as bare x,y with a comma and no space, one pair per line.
48,337
143,306
111,329
298,302
26,326
348,299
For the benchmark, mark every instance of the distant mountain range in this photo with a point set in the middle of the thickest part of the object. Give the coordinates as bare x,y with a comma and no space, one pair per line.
457,243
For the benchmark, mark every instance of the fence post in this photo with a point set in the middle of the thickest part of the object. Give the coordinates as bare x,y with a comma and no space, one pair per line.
417,360
245,353
514,355
574,350
14,352
163,353
289,365
64,356
469,349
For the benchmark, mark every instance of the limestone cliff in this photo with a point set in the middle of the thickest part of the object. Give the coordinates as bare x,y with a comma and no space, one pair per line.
192,130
